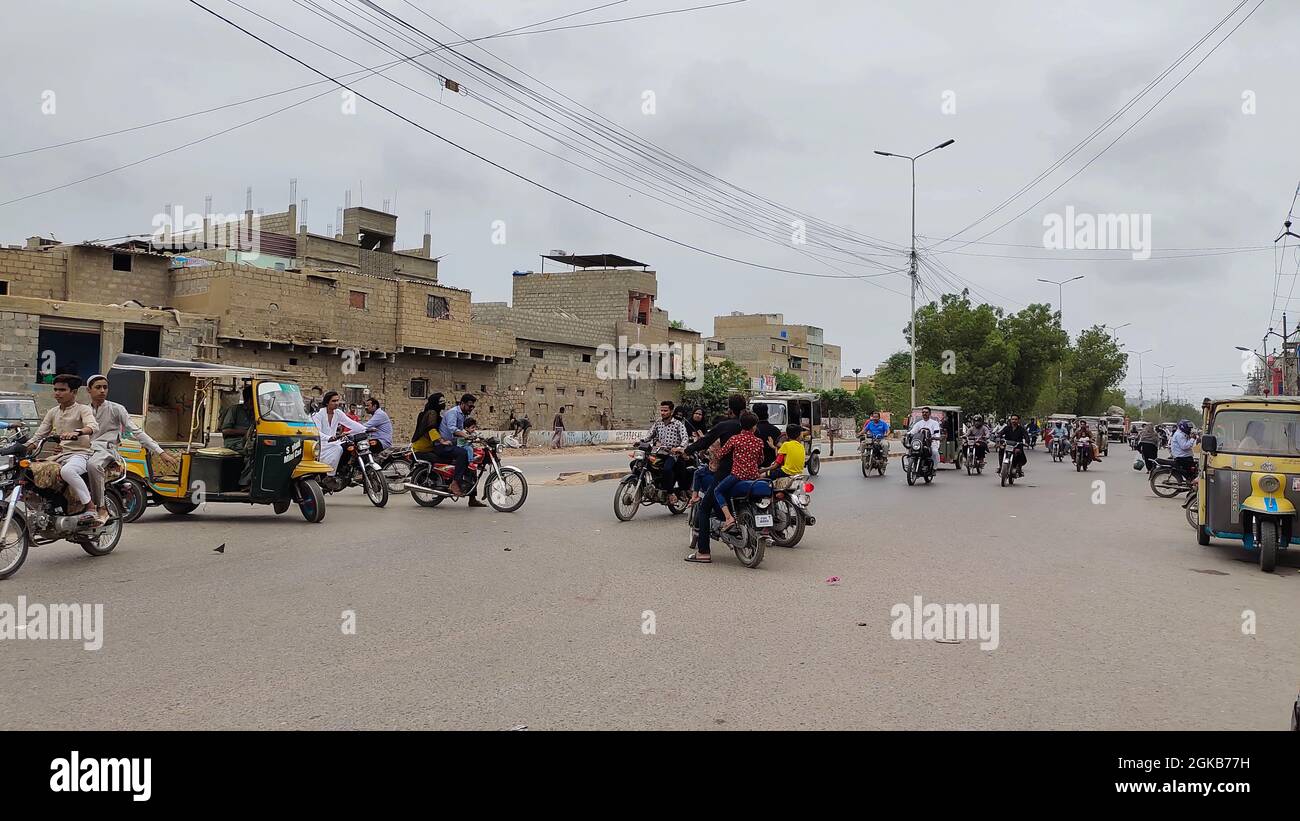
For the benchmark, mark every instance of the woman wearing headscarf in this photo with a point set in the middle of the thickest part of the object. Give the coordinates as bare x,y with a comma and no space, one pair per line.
426,425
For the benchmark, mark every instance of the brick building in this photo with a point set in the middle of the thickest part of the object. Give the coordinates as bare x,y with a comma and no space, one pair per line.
561,320
763,344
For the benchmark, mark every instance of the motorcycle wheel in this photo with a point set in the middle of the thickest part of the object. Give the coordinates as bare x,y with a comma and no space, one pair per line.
1163,483
376,486
1085,467
866,467
420,476
1002,474
884,463
507,492
13,551
1269,537
627,498
814,465
104,543
134,496
311,501
683,500
910,473
396,474
792,534
1193,513
750,553
929,477
970,468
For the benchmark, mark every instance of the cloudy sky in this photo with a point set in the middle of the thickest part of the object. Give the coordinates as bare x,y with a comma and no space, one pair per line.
784,100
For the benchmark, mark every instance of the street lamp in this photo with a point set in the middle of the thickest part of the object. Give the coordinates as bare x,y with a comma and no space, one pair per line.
1060,298
912,256
856,384
1114,328
1138,354
1263,365
1162,368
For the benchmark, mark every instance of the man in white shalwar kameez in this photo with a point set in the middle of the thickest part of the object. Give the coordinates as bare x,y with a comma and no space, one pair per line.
330,420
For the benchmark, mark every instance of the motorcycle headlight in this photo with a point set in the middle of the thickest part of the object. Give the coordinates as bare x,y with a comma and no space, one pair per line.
764,502
1269,484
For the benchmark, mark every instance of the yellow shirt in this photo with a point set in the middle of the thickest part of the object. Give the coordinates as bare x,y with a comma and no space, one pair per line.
794,456
425,443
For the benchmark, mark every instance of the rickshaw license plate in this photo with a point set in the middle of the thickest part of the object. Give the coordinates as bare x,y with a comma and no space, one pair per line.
1295,483
763,520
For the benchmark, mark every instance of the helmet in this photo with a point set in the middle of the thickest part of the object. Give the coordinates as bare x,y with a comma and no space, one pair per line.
1185,426
977,420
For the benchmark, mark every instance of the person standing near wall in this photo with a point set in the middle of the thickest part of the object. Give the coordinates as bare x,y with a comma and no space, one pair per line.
557,426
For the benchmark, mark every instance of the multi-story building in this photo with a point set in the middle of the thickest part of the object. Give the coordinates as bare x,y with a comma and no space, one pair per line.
764,343
569,324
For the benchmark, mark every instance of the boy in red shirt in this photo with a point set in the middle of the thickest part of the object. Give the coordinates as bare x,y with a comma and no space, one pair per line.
746,451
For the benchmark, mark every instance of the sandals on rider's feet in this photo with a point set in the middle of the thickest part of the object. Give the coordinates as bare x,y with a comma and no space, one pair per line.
700,559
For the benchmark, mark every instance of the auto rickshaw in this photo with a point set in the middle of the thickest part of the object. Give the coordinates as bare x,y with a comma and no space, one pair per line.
795,408
1249,483
179,403
19,409
950,432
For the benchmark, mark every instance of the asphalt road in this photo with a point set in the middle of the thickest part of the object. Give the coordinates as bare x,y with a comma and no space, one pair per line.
1110,616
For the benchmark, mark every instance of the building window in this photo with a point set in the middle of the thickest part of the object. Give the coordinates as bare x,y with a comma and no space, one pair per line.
586,357
437,307
361,367
293,361
357,299
540,391
460,386
4,287
482,388
559,391
535,353
581,392
419,388
121,262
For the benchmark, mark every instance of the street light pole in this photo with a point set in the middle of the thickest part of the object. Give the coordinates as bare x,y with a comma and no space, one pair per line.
912,257
856,384
1138,354
1265,377
1060,307
1162,368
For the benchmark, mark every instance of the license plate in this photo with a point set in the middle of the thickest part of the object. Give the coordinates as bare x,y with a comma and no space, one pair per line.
763,520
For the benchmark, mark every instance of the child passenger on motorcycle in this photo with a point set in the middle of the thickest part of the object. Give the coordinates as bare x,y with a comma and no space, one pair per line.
746,451
790,456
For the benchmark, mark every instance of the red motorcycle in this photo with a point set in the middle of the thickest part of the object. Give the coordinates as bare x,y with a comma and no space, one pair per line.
504,487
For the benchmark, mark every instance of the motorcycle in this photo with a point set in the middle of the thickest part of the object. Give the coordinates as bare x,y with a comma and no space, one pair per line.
504,486
1193,509
790,517
1058,449
918,461
641,485
1082,453
395,464
1006,457
1167,480
358,468
34,515
974,462
875,455
1033,439
751,506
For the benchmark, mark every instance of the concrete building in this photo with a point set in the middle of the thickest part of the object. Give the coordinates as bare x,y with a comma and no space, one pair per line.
764,343
567,323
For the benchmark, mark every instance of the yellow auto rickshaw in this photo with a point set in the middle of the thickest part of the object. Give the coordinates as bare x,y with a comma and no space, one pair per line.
1248,485
180,403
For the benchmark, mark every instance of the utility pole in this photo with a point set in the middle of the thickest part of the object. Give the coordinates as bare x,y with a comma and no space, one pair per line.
1060,307
912,256
856,384
1138,354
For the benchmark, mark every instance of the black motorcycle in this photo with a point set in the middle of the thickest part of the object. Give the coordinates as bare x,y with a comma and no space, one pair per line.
751,506
873,455
918,460
1168,479
974,462
358,468
1007,458
395,464
791,497
642,486
1082,454
1059,448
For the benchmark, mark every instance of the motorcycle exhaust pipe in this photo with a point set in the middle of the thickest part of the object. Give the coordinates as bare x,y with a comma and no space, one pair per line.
423,489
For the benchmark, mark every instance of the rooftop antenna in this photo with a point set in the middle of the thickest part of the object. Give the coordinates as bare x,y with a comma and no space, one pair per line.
387,203
248,199
293,189
302,220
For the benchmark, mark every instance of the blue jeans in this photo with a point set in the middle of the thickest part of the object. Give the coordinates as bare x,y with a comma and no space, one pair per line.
722,492
703,482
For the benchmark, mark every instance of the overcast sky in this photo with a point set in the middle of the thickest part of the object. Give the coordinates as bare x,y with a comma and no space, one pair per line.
787,100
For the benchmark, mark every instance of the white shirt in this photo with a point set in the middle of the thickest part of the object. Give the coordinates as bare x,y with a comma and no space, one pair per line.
329,428
931,425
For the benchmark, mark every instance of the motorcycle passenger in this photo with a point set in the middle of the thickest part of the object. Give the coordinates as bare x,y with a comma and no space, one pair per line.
329,419
932,425
1180,447
767,433
745,450
721,432
113,419
74,424
379,424
790,456
452,428
1014,433
696,426
426,427
1084,432
1149,445
669,432
979,433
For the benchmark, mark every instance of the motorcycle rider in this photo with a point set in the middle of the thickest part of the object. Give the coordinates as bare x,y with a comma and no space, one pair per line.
721,431
790,456
669,432
932,425
113,419
74,424
379,423
979,433
768,433
1014,433
1032,430
1084,432
1180,447
451,429
329,419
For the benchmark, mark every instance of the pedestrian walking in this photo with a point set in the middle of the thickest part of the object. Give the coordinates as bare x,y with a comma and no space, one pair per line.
557,427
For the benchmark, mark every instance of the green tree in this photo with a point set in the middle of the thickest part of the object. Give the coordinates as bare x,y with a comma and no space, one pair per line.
965,345
786,381
840,403
721,379
1037,342
892,384
1095,365
867,401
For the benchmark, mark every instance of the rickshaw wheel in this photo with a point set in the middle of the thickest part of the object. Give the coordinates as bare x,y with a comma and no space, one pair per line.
134,499
1202,538
311,501
1268,542
180,508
